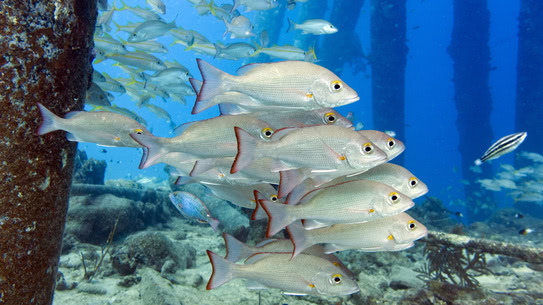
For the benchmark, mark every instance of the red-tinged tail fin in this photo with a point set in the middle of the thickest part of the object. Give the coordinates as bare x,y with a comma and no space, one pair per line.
222,271
299,237
152,149
278,216
288,180
246,150
235,249
214,223
196,84
258,212
49,121
213,81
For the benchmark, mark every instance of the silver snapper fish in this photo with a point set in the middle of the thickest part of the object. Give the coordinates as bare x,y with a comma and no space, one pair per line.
349,202
168,77
237,250
100,127
211,138
503,146
259,171
150,29
287,52
332,148
394,233
157,6
139,60
322,116
312,26
255,5
96,96
235,50
392,147
302,275
239,27
289,84
191,207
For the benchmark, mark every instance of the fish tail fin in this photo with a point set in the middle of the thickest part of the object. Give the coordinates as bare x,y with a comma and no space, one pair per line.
125,6
152,149
278,216
235,6
214,223
118,26
310,55
213,81
235,249
49,121
246,150
227,27
144,79
288,180
212,8
299,238
196,84
291,25
258,212
478,162
218,50
223,271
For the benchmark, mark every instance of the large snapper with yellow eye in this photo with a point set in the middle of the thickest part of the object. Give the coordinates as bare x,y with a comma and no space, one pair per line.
212,138
289,84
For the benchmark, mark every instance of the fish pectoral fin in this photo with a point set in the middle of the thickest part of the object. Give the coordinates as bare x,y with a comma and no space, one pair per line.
333,154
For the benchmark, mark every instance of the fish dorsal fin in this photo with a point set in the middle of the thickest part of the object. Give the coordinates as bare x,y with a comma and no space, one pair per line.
266,242
279,133
248,67
181,128
257,257
71,114
202,166
230,109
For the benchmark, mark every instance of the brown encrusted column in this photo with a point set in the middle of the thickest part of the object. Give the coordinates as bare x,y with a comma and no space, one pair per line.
44,57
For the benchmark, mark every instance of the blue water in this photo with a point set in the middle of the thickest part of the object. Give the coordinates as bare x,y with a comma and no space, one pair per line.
432,139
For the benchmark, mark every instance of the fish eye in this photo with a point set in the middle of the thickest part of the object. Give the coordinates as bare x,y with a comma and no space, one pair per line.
411,225
330,118
413,182
267,132
337,86
394,197
368,148
336,278
273,198
134,35
391,143
138,131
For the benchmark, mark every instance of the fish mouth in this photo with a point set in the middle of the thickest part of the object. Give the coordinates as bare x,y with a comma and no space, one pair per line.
350,100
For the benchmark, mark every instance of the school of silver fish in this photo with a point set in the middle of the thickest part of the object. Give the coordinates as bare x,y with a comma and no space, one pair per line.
278,147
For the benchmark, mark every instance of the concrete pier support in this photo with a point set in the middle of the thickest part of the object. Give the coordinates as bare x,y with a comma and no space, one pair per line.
45,57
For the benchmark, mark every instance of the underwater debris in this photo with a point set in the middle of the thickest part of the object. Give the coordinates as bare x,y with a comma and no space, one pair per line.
455,265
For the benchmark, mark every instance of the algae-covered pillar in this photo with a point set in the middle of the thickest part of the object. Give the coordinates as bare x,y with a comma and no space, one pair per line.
388,61
529,106
45,58
470,53
344,47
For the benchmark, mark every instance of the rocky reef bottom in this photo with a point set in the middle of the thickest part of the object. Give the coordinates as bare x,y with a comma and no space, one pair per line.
124,248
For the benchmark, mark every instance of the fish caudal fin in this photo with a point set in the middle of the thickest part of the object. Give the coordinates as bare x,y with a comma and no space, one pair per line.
246,150
288,180
278,216
299,238
214,223
213,80
291,25
235,6
152,149
49,121
222,271
258,212
235,249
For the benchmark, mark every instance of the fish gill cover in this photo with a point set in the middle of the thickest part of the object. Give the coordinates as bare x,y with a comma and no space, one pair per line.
259,132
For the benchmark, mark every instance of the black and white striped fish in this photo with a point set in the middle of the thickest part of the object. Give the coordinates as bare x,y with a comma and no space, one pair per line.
504,145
